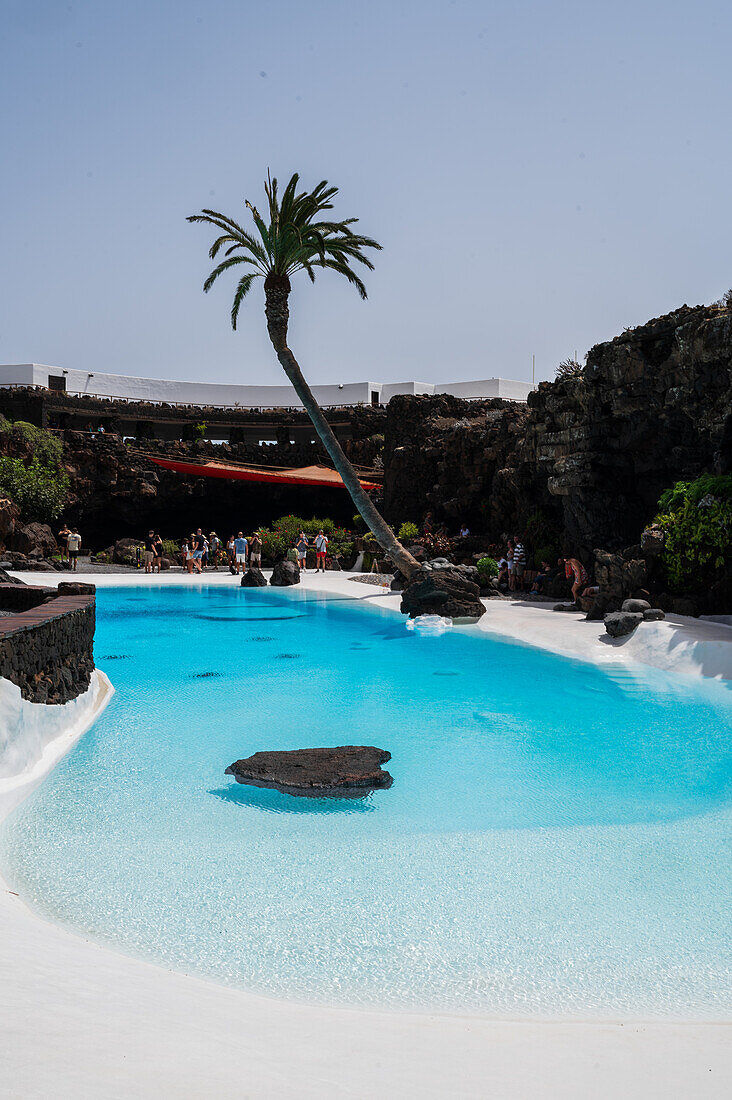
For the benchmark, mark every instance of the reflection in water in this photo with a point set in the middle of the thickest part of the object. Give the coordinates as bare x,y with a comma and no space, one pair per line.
275,802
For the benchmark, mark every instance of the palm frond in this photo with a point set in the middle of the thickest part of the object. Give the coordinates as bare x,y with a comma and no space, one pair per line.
292,236
242,289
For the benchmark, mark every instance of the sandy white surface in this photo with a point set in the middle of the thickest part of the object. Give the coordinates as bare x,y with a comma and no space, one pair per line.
80,1021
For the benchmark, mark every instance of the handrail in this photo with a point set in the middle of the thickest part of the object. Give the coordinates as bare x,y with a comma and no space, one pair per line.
236,407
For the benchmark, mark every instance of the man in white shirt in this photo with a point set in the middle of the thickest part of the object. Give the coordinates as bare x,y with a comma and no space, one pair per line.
74,548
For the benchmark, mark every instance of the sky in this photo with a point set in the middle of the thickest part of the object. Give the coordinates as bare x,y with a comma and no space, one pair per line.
541,175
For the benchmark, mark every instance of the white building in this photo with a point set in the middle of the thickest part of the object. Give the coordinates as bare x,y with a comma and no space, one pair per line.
223,395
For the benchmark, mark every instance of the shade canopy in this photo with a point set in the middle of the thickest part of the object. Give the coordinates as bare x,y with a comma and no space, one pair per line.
302,475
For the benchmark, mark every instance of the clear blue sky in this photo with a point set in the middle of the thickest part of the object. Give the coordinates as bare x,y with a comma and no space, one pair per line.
540,174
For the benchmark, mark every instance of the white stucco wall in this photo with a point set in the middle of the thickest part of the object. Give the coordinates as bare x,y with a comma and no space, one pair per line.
219,394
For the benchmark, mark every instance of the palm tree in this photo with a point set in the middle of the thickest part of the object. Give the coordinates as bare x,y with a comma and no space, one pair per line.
295,241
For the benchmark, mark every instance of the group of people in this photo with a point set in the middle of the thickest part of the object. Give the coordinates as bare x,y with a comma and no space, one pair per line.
512,572
199,552
299,552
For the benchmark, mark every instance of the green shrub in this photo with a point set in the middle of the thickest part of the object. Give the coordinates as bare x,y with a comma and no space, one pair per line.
40,444
199,430
171,549
408,531
284,532
487,568
696,518
39,491
359,523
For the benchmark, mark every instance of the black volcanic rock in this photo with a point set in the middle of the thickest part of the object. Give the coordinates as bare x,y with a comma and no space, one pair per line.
445,592
253,578
285,573
347,771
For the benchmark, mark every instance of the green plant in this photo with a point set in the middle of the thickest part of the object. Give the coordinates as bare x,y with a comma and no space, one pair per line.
408,531
285,530
199,430
171,549
35,441
545,553
39,491
570,370
487,568
696,519
358,522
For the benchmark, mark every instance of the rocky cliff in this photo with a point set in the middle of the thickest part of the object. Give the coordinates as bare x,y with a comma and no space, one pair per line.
590,456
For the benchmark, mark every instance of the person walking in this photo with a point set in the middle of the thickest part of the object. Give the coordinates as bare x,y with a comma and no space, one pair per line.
185,554
321,550
573,568
199,546
255,551
231,553
74,544
301,546
240,547
148,554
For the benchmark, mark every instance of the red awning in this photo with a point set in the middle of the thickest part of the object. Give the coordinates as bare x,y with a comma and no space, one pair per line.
304,475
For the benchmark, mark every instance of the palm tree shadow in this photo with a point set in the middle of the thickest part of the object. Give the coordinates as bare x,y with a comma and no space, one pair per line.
275,802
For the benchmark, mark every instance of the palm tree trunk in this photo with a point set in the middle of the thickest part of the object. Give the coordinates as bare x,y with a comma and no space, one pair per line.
277,310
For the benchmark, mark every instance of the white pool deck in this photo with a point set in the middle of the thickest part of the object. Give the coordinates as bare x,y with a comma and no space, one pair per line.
78,1020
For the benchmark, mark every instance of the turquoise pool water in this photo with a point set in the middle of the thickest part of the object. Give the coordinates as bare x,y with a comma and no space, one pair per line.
557,839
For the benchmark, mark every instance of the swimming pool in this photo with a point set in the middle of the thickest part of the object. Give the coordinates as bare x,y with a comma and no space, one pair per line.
556,840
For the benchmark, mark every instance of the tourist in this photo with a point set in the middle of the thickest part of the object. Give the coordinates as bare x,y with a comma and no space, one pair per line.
240,548
540,580
573,568
321,549
74,543
63,539
231,553
464,531
185,555
199,546
301,546
509,560
519,562
158,552
502,578
214,545
148,554
255,551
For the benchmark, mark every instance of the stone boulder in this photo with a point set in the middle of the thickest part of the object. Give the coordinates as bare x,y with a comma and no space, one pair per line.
348,771
653,615
284,574
8,520
636,605
620,623
75,588
34,536
443,591
5,578
652,541
253,578
125,551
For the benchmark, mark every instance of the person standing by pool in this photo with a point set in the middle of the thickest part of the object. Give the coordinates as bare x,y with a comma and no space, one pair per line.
519,562
74,548
573,568
214,545
240,547
148,554
185,554
321,549
509,559
231,553
302,546
199,546
255,551
63,541
158,554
